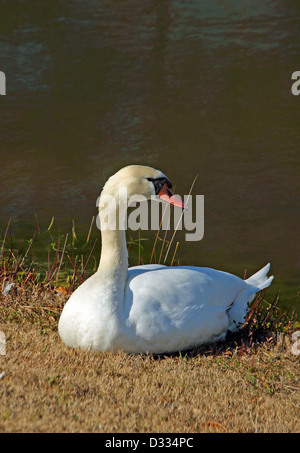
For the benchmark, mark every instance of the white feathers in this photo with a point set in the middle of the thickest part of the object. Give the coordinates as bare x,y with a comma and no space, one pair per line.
152,308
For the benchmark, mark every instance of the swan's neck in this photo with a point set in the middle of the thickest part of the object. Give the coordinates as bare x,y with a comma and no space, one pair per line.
114,257
113,266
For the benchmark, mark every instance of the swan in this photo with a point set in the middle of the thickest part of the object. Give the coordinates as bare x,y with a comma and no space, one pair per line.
152,308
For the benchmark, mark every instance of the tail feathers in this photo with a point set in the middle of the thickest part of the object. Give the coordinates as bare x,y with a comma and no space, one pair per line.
260,279
255,283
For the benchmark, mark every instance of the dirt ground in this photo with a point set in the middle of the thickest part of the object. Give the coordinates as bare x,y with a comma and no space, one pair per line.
48,387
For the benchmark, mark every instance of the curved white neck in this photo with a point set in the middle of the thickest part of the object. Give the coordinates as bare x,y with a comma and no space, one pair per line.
113,266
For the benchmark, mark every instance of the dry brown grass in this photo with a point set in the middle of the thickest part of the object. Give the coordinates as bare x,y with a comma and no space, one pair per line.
48,387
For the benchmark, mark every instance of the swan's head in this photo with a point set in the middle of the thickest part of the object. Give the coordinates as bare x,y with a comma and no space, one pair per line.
141,180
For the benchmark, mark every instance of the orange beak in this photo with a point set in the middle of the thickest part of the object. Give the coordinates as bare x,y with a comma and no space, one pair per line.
167,195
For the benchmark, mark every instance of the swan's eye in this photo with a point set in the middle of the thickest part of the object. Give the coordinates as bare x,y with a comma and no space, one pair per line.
159,183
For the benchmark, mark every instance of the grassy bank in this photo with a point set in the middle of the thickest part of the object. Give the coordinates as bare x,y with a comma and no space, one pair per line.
250,383
50,388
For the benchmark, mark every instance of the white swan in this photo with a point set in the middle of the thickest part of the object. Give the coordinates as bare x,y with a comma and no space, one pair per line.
152,308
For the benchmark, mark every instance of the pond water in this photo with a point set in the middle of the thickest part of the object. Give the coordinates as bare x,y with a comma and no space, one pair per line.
189,87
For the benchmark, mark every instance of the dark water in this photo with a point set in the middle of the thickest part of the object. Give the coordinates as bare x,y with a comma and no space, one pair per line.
189,87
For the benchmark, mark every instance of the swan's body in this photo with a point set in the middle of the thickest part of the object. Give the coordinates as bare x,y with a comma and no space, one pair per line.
153,308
